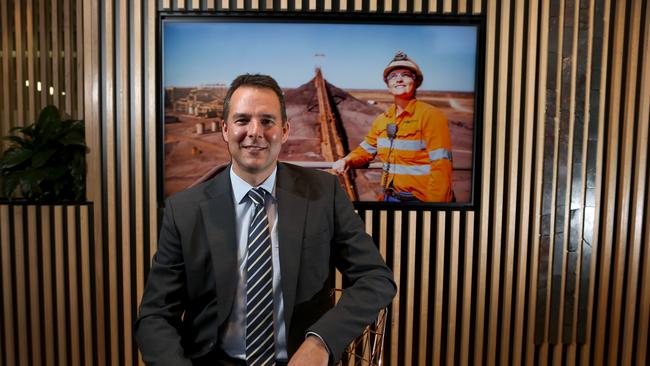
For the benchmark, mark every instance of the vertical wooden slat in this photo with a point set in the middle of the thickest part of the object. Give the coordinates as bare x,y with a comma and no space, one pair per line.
7,289
6,60
383,229
397,258
297,5
180,4
110,211
74,337
433,6
151,136
48,295
138,155
446,6
66,86
239,4
166,4
410,287
485,185
586,248
644,120
55,53
210,6
86,280
594,302
511,195
573,250
30,59
374,3
19,61
438,287
467,289
60,272
20,293
453,287
527,216
462,7
497,205
425,243
34,285
402,6
388,6
88,34
630,186
536,258
609,184
42,50
476,7
554,293
124,125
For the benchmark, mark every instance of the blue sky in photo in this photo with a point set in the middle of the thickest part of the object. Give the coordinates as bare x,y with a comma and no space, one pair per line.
354,55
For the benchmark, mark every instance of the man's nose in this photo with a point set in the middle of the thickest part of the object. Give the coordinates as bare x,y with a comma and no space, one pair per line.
254,128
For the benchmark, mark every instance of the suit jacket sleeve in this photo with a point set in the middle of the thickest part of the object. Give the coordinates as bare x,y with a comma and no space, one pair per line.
371,285
157,329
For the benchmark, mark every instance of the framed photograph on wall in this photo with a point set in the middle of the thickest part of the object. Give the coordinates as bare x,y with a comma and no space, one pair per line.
339,76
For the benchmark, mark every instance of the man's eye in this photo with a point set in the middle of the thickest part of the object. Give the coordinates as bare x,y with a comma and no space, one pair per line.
268,122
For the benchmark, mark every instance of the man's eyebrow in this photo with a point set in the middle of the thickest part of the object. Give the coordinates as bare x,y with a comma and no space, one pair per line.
267,115
241,115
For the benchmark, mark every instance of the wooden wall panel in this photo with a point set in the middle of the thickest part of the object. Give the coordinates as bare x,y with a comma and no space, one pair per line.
551,268
48,308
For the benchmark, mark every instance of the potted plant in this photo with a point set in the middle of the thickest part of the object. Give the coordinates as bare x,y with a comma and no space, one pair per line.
46,163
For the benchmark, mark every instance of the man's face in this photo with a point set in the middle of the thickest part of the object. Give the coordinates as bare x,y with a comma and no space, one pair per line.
401,82
254,131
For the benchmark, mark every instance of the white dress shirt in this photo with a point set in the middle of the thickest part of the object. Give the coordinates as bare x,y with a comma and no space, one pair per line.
233,332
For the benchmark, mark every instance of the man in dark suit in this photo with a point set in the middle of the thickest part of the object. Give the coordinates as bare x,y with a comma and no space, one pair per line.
198,307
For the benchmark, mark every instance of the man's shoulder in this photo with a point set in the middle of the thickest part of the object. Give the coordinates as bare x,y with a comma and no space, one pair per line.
310,174
199,192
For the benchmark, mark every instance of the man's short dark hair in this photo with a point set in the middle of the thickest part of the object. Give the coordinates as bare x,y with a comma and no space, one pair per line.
254,81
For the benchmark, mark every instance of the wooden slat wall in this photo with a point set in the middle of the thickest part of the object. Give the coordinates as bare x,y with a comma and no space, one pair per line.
552,268
48,306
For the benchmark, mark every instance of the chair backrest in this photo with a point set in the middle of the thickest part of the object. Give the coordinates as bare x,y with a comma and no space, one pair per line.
368,348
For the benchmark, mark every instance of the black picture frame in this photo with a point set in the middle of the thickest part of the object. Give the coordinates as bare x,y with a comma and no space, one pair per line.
277,20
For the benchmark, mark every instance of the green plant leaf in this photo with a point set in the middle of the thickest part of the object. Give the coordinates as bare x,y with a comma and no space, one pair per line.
49,122
74,137
10,183
16,140
41,157
14,157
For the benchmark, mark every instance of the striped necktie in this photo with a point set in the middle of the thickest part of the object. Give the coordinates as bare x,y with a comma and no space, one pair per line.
260,344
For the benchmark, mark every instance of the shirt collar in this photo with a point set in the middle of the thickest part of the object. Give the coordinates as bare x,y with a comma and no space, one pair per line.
410,109
240,187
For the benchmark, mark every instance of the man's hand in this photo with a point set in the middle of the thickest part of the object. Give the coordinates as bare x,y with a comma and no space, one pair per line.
340,166
312,352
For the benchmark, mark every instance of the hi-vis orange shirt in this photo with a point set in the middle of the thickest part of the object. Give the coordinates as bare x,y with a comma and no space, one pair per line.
418,159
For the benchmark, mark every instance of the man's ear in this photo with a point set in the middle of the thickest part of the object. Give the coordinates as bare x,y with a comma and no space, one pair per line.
285,132
224,130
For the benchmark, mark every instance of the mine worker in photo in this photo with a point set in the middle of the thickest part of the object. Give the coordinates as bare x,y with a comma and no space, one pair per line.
243,270
411,139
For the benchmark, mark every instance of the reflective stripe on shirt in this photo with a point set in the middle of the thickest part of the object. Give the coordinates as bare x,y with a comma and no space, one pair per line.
369,148
408,169
438,154
398,144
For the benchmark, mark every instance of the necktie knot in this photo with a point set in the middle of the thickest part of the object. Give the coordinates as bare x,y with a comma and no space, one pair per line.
257,195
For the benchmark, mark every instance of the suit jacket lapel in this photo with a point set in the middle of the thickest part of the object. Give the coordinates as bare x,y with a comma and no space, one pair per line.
292,211
219,219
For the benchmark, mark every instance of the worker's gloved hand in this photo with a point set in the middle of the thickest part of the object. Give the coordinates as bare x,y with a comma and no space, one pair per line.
340,166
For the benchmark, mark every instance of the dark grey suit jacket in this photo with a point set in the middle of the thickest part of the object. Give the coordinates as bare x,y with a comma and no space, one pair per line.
191,285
